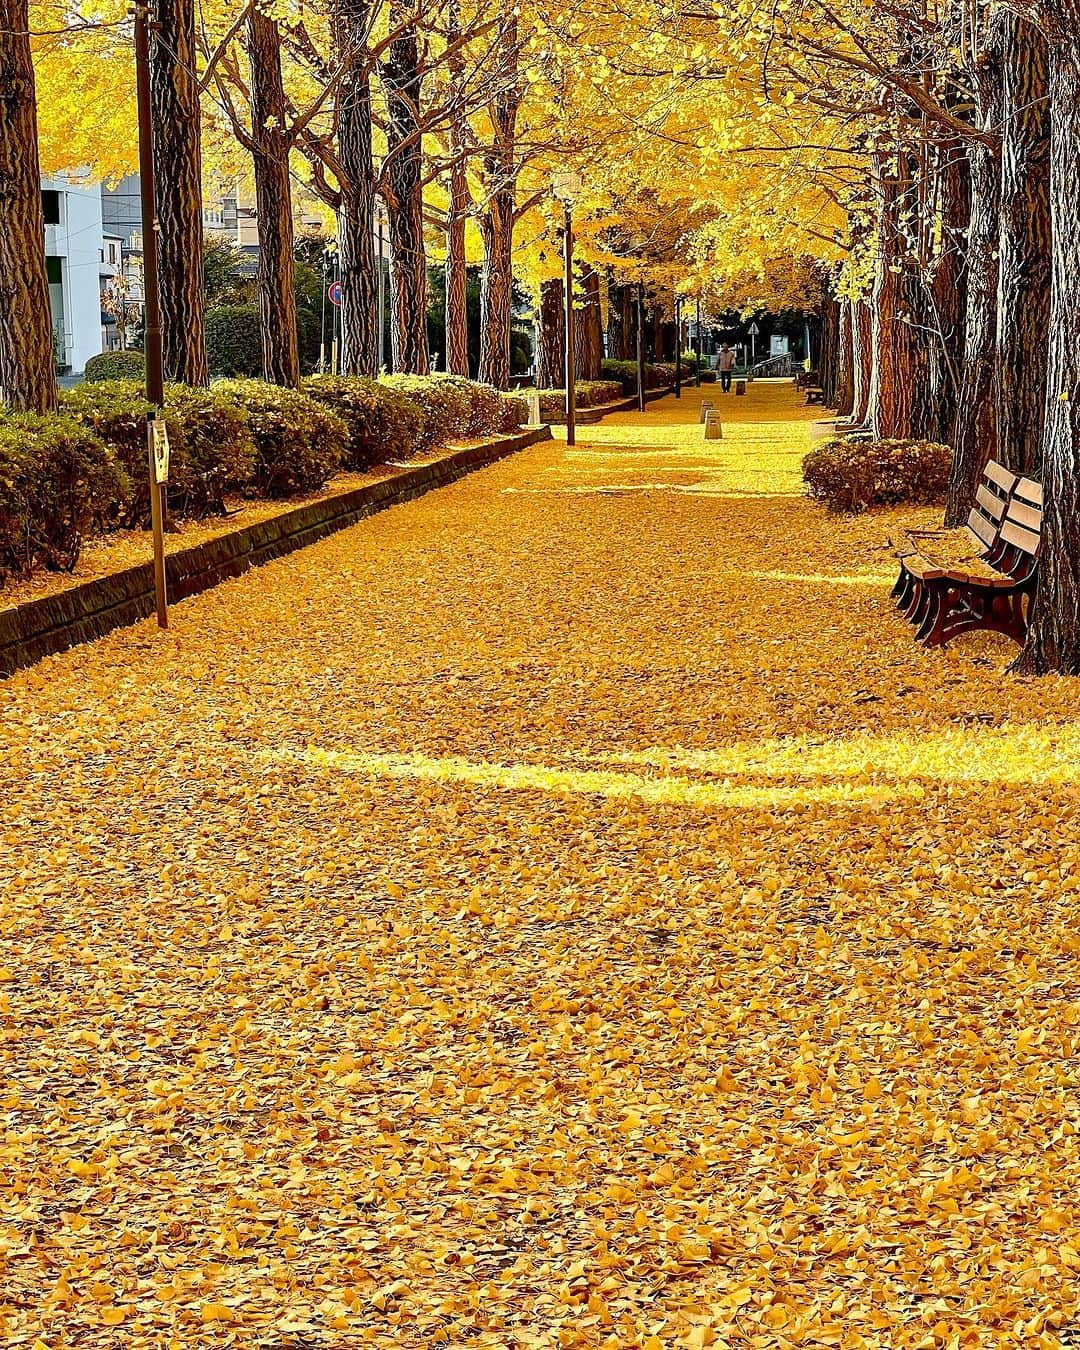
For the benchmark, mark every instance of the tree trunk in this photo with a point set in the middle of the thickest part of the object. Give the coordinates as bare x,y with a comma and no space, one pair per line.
589,329
402,78
863,343
273,205
497,282
457,318
1024,286
359,267
976,422
174,95
1054,636
27,362
621,322
948,288
551,357
895,346
845,376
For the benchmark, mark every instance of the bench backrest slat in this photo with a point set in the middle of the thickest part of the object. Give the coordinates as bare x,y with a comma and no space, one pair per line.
1027,541
1028,516
1001,476
985,530
1029,492
991,504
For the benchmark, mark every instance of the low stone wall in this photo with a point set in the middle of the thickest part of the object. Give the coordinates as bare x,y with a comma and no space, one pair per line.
87,611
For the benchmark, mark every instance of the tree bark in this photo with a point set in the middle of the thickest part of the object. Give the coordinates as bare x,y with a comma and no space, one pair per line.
899,352
174,96
500,164
456,280
976,420
551,357
589,328
1053,642
948,288
27,362
621,321
863,344
273,204
358,264
1024,278
402,79
845,376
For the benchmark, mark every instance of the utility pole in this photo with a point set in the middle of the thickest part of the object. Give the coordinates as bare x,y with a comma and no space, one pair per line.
157,444
678,346
641,346
697,340
568,289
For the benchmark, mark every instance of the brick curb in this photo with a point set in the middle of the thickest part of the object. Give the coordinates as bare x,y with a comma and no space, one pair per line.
82,613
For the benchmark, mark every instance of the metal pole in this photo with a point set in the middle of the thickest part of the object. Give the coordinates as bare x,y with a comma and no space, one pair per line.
382,295
697,340
641,346
155,376
568,286
678,347
322,321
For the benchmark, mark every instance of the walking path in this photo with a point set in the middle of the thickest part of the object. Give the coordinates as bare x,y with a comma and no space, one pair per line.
564,911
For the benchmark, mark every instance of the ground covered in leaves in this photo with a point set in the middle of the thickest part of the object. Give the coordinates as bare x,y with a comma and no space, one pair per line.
566,910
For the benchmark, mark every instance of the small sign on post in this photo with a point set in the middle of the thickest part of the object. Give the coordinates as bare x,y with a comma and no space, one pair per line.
158,449
534,407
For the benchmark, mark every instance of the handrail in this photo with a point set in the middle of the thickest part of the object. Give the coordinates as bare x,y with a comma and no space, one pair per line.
774,365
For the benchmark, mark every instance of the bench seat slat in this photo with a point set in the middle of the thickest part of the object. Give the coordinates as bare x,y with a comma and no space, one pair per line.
1029,491
1028,516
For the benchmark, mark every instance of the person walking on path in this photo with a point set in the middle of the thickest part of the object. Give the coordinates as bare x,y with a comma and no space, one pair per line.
725,364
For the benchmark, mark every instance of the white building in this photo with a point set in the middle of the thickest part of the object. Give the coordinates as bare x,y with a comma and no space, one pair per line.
74,256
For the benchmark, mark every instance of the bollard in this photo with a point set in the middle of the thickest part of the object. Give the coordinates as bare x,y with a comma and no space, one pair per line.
705,406
740,386
714,430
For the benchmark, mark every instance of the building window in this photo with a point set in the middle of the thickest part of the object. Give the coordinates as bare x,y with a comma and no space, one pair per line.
50,206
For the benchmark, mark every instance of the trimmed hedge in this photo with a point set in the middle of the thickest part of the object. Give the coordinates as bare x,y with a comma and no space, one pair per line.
210,445
234,341
299,443
587,394
126,365
850,475
656,376
87,468
57,482
383,423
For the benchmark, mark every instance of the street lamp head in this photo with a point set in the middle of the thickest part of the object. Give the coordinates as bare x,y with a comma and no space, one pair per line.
567,185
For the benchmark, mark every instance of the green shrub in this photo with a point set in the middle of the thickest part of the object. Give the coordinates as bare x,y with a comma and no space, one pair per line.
216,450
514,412
851,475
383,422
299,443
656,376
126,365
234,341
210,445
587,394
444,404
57,482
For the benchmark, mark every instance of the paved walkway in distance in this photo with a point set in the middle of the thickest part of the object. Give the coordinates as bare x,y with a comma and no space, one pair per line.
566,910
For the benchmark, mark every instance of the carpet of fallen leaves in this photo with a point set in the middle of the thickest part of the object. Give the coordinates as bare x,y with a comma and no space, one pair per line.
567,910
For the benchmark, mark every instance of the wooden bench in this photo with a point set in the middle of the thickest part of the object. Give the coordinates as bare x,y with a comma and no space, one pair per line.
805,378
980,577
814,394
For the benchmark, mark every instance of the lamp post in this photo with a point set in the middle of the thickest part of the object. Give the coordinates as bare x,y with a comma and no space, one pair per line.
641,346
678,346
697,340
156,441
382,289
567,185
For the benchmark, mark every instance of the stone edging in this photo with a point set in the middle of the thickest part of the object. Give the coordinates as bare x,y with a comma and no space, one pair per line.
587,416
81,613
